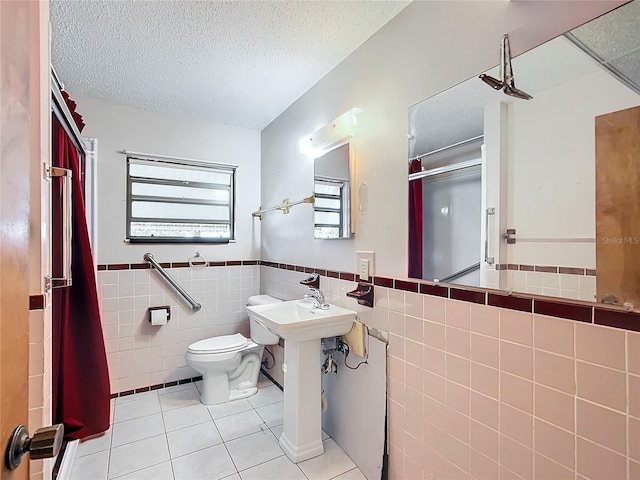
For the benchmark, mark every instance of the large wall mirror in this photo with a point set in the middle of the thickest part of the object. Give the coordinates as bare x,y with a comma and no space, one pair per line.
539,196
332,194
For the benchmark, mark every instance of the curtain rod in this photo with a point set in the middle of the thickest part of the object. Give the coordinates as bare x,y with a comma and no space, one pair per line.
60,108
459,144
167,157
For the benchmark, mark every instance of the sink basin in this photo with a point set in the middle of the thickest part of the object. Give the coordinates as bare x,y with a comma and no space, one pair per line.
298,320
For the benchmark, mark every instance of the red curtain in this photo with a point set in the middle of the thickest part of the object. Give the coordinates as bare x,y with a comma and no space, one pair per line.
415,222
81,388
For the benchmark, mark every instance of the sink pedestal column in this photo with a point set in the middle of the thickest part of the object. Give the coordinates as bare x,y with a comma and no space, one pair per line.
301,437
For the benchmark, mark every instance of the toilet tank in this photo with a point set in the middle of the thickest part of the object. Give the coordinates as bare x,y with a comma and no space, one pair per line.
259,334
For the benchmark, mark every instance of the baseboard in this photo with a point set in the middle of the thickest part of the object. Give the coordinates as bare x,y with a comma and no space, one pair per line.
264,372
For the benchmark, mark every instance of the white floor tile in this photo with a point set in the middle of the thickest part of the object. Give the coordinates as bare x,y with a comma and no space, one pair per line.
91,467
138,455
229,408
137,409
328,465
277,431
272,414
264,381
354,474
251,450
194,438
136,396
185,417
97,443
211,463
235,476
280,468
176,388
198,385
238,425
137,429
266,396
179,399
162,471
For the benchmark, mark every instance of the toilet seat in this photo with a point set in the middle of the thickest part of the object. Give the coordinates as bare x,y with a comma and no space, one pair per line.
221,344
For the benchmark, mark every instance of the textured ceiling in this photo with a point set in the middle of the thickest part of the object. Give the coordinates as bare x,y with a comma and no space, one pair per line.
240,63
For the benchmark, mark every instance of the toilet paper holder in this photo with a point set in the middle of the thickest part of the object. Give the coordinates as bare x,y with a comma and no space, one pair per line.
164,307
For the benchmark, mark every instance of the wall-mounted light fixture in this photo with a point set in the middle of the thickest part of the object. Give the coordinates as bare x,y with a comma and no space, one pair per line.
331,135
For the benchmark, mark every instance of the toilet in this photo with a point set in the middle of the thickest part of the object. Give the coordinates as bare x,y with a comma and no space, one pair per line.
230,364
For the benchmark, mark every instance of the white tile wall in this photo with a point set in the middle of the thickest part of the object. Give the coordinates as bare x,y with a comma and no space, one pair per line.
574,287
139,354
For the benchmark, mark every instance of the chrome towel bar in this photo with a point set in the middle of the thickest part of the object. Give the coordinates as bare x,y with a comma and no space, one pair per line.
195,306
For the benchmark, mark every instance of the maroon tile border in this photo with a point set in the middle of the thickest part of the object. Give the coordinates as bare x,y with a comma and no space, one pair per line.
383,282
118,266
546,269
562,308
572,271
36,302
437,290
521,304
572,311
158,386
140,266
578,311
145,265
617,319
472,296
407,286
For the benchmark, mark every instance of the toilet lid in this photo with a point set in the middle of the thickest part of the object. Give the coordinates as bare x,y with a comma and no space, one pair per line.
223,343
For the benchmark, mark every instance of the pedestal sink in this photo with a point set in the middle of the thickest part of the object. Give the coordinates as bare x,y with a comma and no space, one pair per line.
302,326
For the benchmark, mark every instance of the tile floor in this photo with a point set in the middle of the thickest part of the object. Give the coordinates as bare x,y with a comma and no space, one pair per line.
169,434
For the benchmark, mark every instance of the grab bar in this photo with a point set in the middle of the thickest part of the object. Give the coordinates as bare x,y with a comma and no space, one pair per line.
511,237
487,258
460,273
67,227
195,306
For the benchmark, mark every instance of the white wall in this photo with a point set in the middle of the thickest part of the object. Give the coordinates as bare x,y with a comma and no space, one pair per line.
552,167
122,128
428,47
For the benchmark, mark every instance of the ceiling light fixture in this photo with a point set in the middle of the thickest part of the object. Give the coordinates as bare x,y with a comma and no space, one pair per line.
506,81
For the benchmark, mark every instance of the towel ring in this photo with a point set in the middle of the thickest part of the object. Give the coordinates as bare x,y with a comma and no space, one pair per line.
198,255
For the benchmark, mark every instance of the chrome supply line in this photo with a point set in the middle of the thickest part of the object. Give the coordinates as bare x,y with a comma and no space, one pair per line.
195,306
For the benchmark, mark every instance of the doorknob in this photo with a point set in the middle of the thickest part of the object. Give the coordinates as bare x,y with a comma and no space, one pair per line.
45,443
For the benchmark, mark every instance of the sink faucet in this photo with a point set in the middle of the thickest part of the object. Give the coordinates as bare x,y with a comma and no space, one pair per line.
317,297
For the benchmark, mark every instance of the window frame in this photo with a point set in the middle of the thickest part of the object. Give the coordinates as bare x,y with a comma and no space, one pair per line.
343,198
184,164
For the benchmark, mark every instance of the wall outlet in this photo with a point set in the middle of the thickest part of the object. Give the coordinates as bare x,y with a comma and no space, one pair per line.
365,265
363,269
356,339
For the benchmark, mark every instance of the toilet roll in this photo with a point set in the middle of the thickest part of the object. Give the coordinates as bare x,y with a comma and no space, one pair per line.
159,316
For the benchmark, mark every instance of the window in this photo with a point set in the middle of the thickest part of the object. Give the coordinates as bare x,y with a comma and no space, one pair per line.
170,201
329,207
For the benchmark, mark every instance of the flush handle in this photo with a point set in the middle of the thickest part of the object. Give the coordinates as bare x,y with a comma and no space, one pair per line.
45,443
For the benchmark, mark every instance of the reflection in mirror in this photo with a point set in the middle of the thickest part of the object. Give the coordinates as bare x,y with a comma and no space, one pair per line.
538,196
332,192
